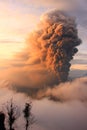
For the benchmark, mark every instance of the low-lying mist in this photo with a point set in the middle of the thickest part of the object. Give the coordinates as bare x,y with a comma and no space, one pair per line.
68,112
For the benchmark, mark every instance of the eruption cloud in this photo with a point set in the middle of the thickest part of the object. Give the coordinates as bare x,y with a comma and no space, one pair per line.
49,49
53,44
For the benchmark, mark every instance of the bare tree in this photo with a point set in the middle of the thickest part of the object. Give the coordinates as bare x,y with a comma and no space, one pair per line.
12,113
29,118
2,119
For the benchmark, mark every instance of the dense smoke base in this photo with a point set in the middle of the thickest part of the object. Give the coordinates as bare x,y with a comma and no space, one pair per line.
53,44
69,91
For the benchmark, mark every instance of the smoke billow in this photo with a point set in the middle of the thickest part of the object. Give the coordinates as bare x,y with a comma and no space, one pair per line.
49,49
75,90
69,91
53,44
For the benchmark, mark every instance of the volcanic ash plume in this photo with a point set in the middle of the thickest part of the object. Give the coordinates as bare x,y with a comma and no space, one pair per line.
53,44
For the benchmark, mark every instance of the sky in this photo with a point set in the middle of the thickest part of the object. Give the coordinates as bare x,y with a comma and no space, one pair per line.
19,17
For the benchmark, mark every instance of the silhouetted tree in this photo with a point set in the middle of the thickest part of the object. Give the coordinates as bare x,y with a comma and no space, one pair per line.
28,115
13,114
2,119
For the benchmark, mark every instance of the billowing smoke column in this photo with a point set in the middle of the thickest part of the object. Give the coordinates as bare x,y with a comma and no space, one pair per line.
54,43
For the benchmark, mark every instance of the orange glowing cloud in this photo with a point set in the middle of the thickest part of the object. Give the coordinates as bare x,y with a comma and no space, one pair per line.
79,67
